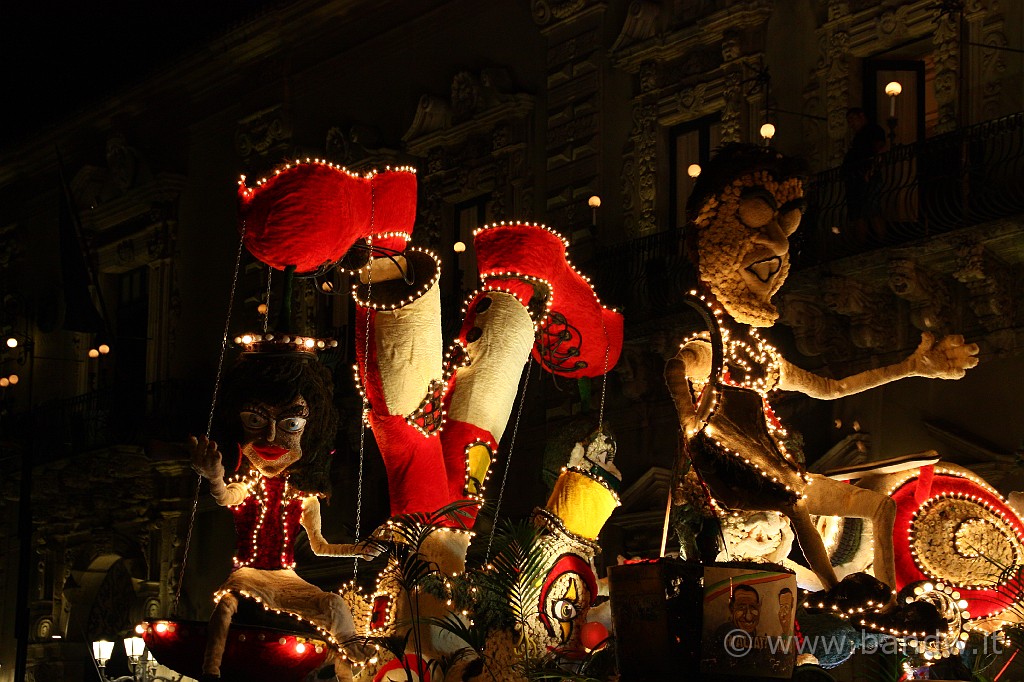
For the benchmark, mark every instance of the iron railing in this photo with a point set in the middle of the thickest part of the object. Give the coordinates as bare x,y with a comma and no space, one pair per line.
971,176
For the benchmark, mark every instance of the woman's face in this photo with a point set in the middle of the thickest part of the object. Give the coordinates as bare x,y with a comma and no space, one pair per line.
273,434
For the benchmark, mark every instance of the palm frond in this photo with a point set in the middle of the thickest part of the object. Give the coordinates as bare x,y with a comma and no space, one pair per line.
516,570
475,638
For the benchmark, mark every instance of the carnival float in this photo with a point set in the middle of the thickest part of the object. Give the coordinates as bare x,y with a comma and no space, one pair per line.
913,550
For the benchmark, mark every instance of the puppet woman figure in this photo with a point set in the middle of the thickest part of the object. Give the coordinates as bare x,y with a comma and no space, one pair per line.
747,202
277,406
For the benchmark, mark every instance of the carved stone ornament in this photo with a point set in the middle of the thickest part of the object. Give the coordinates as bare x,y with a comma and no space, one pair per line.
691,100
815,332
546,10
947,70
639,180
929,298
261,132
433,113
641,23
872,325
987,281
731,47
122,161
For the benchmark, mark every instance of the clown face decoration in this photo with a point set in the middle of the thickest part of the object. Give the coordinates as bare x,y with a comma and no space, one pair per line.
569,589
743,243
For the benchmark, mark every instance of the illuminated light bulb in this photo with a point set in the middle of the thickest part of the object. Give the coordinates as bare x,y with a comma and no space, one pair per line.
594,202
300,648
262,308
693,170
103,349
93,353
767,131
13,379
309,343
459,247
327,287
12,342
962,603
4,382
893,88
247,339
161,627
238,340
140,628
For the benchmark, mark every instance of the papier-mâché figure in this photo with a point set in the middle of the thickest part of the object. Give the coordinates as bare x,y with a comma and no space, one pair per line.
746,204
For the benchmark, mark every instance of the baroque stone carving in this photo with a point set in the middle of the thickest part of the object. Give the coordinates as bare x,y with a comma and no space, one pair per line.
732,95
691,100
815,332
987,281
993,66
263,131
122,161
639,180
546,10
928,296
641,23
872,325
837,84
947,69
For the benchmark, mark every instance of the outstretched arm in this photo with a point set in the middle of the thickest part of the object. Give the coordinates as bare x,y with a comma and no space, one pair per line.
206,461
320,546
949,358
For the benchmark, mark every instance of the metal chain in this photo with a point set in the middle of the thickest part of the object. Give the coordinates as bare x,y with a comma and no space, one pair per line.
508,459
266,315
604,383
209,420
365,405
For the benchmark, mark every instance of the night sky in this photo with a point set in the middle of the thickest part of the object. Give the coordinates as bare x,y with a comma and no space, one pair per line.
59,56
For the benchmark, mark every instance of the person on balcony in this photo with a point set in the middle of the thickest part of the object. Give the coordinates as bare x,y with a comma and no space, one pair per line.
861,177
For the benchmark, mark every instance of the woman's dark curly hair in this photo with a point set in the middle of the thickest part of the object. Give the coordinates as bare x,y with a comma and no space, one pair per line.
279,380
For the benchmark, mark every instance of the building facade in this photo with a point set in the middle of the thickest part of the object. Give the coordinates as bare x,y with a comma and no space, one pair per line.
511,110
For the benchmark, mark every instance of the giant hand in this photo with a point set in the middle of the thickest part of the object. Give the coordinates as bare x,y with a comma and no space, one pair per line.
950,358
206,458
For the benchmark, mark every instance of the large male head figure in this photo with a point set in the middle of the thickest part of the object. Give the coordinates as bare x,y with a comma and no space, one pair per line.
745,608
745,204
785,608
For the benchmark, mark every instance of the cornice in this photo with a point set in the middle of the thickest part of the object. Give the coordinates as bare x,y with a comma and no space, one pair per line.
705,32
518,107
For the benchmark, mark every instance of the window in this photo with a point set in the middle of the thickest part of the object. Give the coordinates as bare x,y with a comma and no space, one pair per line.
915,109
132,329
689,143
469,215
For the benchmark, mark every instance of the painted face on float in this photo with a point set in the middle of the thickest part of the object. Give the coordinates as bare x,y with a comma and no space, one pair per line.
743,243
273,435
568,590
745,610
